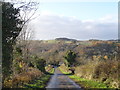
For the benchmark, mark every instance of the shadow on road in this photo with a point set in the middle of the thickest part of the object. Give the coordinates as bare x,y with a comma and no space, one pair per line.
47,73
69,74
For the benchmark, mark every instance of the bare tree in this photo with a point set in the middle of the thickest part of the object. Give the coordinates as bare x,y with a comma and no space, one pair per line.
27,14
28,10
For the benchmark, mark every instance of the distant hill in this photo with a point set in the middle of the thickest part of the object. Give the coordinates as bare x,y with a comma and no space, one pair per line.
114,40
65,39
94,40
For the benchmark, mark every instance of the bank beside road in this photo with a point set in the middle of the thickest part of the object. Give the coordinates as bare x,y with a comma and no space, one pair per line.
85,83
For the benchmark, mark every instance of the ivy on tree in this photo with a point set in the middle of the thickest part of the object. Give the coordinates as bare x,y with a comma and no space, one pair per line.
70,57
11,27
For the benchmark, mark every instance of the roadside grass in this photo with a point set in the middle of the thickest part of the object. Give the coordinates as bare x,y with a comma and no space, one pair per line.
88,83
40,82
85,83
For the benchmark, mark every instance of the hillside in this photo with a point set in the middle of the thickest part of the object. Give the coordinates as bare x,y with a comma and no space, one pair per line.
58,47
95,60
65,39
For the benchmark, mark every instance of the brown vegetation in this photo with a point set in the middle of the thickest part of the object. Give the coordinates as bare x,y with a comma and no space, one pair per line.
96,60
22,78
104,71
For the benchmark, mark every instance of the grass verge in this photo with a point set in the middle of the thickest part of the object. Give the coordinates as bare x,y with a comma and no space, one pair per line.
40,82
86,83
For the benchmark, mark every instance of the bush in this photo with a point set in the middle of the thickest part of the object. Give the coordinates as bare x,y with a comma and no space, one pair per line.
85,71
107,69
102,71
107,72
22,78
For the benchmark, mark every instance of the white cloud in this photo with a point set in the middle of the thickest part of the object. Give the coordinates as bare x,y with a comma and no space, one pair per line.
49,26
108,19
46,13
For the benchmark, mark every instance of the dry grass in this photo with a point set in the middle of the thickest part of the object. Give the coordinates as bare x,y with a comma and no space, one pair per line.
106,72
25,77
85,71
108,69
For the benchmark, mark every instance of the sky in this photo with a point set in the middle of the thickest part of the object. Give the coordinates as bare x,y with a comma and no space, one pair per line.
76,20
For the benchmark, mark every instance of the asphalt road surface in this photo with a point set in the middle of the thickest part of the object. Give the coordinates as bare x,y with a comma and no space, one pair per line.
61,81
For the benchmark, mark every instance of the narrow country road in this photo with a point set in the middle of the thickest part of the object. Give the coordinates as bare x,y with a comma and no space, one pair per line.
61,81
